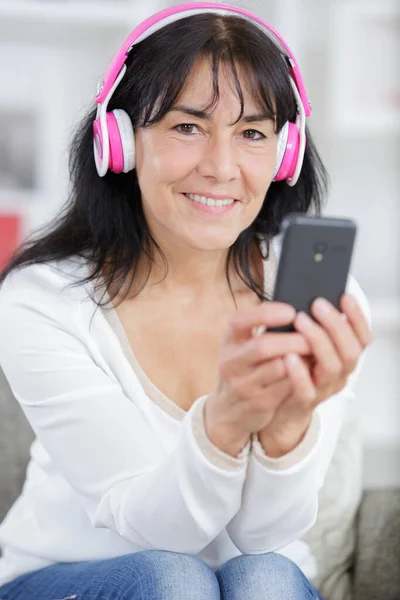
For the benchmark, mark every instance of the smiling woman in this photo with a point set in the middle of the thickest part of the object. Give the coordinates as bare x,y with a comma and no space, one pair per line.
176,455
105,220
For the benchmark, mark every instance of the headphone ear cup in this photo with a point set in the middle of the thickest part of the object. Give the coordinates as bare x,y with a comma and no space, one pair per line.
287,152
122,141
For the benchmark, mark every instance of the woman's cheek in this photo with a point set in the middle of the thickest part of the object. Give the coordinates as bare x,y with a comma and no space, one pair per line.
179,156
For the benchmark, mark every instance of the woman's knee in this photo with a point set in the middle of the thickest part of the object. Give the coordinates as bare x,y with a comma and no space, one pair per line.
162,575
260,576
146,575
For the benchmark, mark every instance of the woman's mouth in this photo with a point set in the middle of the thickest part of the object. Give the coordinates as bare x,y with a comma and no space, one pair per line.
205,200
211,205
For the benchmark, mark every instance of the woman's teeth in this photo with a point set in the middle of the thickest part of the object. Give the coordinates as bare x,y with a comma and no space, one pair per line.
210,201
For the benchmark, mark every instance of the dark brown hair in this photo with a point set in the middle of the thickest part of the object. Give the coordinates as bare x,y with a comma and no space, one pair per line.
103,220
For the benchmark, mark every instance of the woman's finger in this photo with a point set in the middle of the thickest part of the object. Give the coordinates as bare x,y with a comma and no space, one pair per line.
271,345
256,379
265,388
329,365
273,395
303,387
270,314
268,373
355,316
341,333
242,358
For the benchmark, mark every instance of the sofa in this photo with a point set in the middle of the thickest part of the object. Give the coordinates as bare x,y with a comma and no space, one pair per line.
369,571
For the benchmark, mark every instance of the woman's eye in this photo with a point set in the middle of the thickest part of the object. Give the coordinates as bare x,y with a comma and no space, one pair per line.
191,129
253,134
187,128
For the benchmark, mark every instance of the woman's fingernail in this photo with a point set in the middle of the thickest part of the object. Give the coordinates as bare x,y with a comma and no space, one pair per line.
351,300
257,331
304,320
322,306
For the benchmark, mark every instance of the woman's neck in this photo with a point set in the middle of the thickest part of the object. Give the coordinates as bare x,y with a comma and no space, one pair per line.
191,276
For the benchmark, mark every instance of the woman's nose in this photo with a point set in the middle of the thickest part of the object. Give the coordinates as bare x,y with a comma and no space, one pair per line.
219,161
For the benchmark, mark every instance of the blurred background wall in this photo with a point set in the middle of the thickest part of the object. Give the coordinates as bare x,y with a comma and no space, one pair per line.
53,53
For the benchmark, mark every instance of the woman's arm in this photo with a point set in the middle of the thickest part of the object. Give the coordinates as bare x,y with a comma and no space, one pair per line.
280,497
97,437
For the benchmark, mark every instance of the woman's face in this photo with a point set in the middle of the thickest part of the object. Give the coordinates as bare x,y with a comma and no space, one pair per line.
191,162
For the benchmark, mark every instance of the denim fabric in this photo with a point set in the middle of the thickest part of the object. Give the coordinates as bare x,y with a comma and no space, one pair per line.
162,575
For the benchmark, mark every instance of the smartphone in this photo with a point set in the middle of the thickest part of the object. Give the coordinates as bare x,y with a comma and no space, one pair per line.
315,260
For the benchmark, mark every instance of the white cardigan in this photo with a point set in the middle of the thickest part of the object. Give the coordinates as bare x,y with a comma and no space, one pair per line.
116,466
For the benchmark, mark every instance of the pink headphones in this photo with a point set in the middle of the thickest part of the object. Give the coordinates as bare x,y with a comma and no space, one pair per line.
114,142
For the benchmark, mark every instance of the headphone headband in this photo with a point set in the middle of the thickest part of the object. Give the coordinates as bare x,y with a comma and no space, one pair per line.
113,134
169,15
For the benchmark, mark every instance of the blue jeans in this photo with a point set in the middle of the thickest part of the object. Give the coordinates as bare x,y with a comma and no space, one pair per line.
162,575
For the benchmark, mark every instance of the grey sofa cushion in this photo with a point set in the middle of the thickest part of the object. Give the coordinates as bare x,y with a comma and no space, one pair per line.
377,558
16,436
332,539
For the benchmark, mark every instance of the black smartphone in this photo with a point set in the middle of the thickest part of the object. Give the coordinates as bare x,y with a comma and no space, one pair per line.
315,260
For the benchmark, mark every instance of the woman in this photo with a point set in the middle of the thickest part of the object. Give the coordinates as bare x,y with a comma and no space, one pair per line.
177,454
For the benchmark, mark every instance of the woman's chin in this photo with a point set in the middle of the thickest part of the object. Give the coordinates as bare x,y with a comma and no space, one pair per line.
208,241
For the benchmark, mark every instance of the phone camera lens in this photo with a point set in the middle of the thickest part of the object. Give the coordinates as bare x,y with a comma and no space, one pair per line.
320,247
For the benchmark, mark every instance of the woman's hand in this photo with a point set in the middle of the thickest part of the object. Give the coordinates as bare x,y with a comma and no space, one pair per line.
252,378
337,341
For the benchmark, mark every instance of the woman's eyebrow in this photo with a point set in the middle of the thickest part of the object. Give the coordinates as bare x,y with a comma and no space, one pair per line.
202,114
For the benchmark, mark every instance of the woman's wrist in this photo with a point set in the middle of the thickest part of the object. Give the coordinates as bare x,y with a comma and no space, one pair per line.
224,436
227,442
277,444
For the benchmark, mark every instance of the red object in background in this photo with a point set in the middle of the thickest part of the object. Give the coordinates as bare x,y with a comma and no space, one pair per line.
10,232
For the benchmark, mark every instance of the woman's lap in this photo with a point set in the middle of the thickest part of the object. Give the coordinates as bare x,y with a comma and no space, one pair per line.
162,575
264,577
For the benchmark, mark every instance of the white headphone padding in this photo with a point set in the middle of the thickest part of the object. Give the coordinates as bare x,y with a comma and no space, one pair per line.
281,146
127,138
